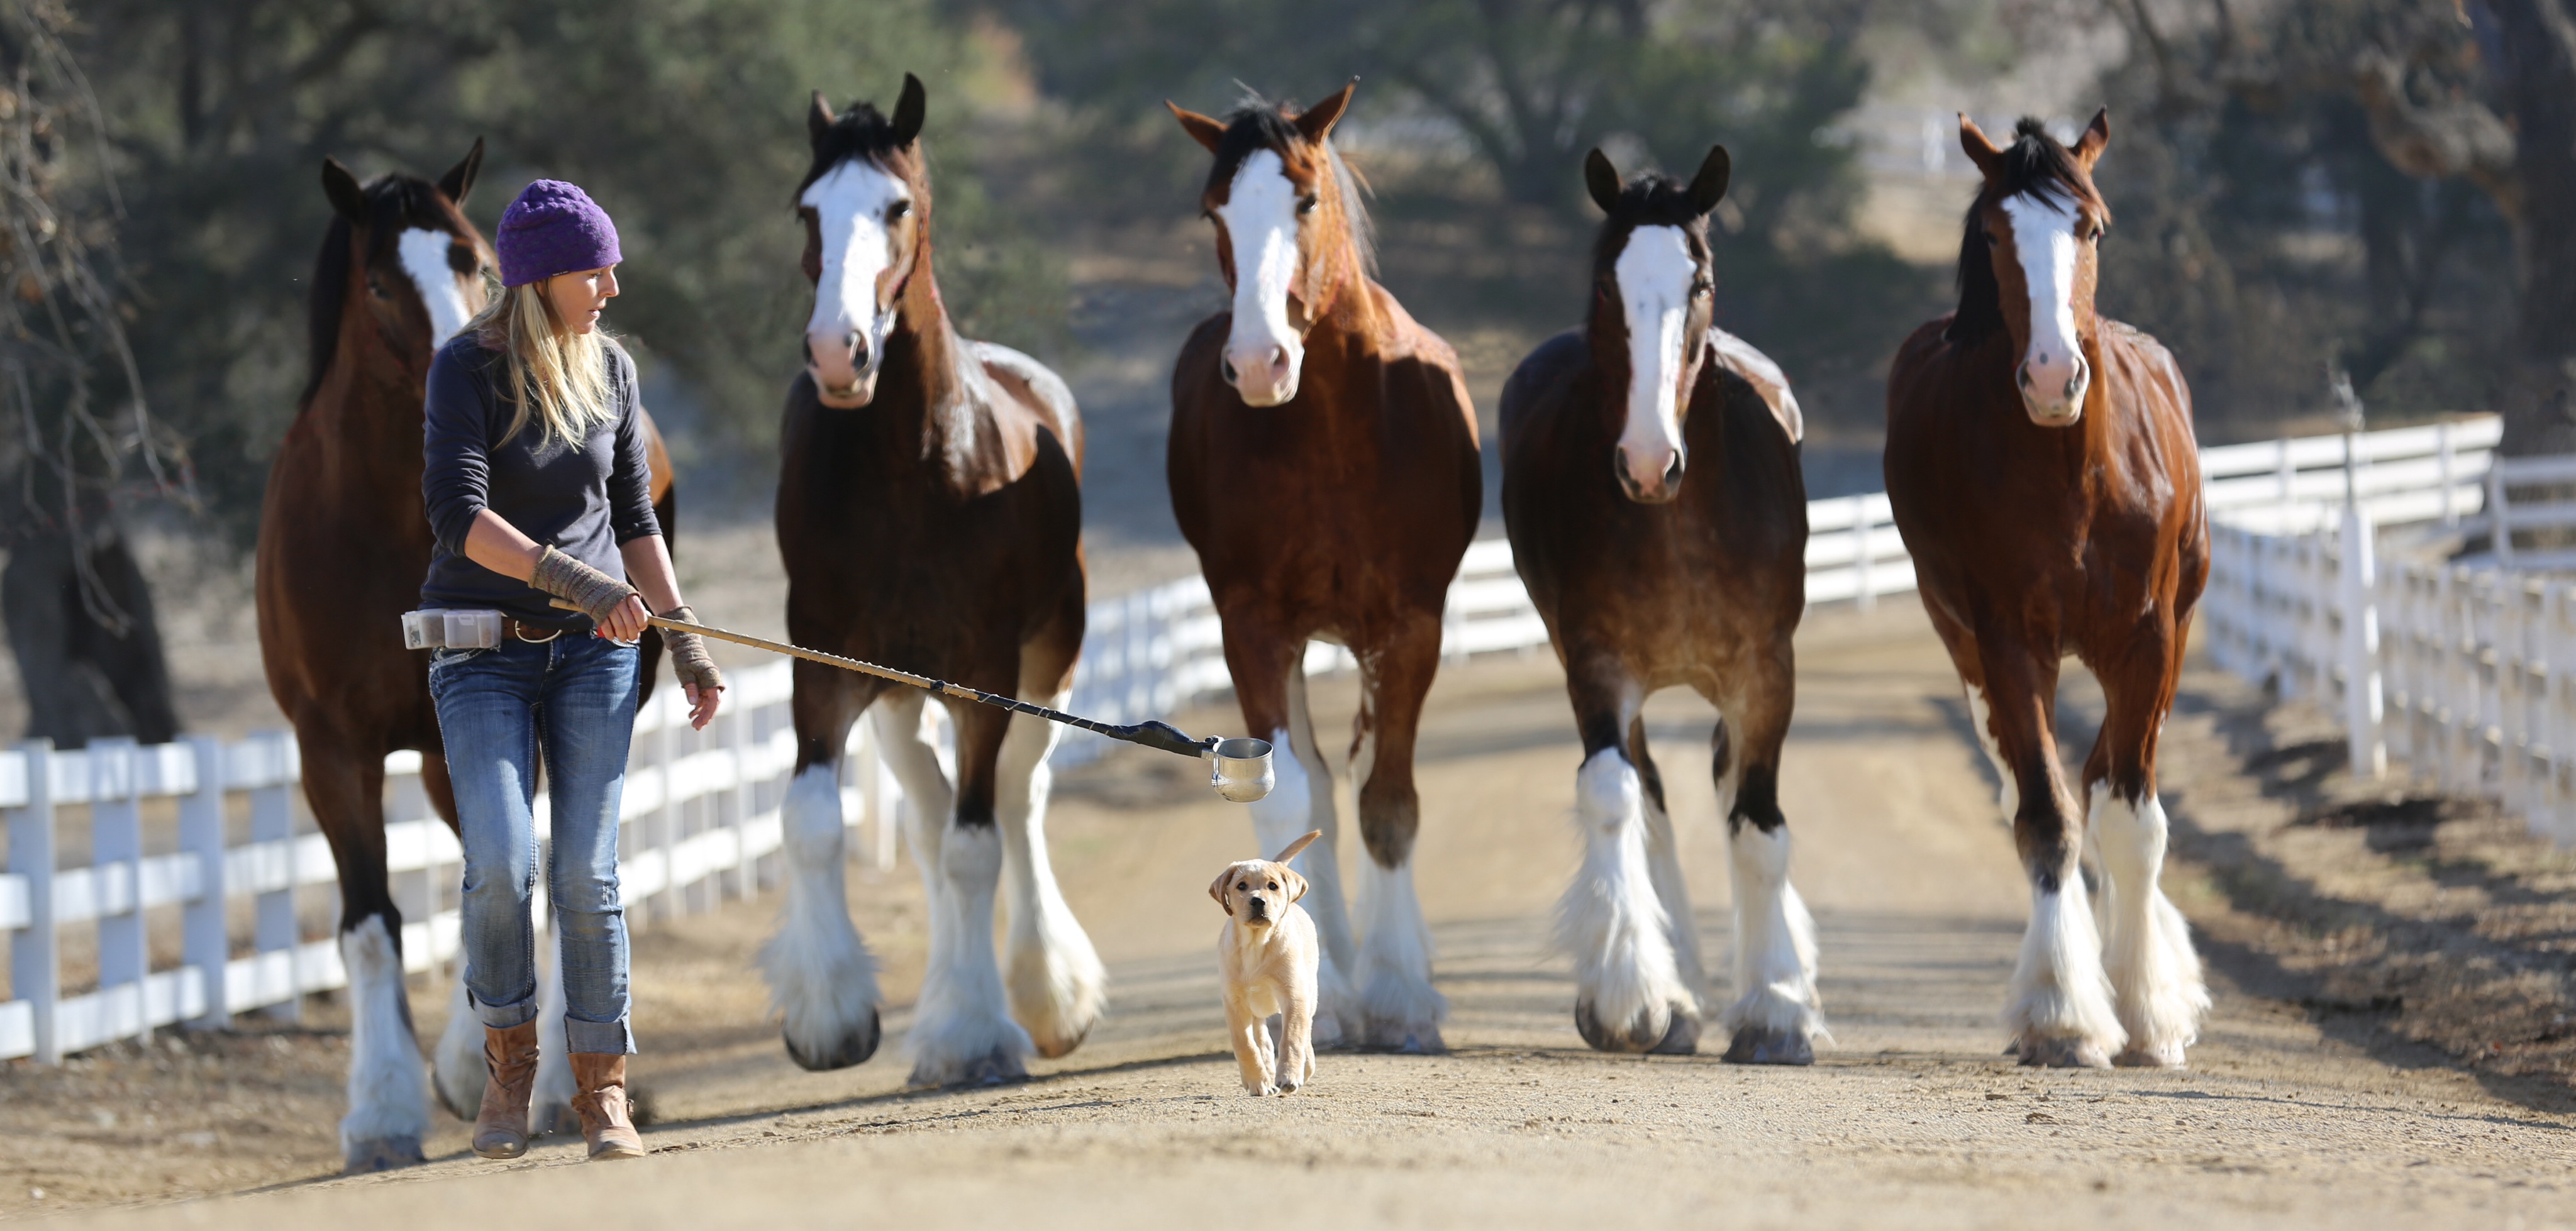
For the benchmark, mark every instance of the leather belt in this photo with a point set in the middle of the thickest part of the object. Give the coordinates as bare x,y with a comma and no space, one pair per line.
512,626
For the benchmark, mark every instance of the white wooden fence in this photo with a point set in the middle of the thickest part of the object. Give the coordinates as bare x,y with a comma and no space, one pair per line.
2462,669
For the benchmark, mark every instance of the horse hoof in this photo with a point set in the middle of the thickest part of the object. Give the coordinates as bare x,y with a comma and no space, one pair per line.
375,1154
1058,1048
997,1067
2046,1052
852,1048
1402,1037
1681,1038
2168,1056
1760,1045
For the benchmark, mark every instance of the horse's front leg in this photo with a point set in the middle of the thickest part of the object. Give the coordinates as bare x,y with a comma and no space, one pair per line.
822,980
2155,974
1776,1016
1057,987
1267,663
388,1085
1399,1009
962,1032
2060,1012
1630,993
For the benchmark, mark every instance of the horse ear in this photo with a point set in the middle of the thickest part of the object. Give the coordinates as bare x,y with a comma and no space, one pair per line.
908,111
1709,186
2088,148
1202,129
1602,179
819,118
459,180
1317,123
343,190
1981,149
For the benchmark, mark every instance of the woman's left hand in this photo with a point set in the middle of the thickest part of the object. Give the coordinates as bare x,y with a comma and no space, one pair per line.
702,706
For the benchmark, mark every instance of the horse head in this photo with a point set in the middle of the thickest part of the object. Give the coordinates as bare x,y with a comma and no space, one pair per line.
1651,294
405,243
1291,234
866,206
2031,253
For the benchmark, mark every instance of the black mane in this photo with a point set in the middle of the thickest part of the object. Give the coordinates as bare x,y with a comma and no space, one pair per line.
394,201
2035,164
862,132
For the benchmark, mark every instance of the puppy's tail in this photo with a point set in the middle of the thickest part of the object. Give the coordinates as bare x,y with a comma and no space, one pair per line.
1290,852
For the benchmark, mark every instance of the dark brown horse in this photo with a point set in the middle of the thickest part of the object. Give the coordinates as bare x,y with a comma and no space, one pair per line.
930,514
2041,464
343,545
1658,517
1323,462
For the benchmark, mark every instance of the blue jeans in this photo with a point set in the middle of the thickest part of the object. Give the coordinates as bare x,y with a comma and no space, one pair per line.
572,700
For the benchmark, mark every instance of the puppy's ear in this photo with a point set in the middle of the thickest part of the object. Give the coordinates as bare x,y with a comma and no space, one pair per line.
1217,890
1296,884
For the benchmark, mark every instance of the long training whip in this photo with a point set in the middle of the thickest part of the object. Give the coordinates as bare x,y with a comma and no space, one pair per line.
1242,766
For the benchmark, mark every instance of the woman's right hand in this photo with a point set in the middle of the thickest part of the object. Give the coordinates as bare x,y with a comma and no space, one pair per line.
626,623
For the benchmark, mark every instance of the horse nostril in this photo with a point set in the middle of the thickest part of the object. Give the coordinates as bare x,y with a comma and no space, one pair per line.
1231,376
2023,376
1673,473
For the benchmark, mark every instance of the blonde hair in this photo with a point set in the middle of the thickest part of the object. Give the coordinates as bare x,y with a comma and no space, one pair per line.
556,377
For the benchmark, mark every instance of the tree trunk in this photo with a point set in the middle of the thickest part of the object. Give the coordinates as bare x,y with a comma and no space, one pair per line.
2538,74
84,679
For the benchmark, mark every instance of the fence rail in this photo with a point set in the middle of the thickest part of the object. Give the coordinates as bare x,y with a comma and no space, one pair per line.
700,815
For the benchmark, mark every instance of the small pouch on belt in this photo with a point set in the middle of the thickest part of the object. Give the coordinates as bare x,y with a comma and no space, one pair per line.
451,628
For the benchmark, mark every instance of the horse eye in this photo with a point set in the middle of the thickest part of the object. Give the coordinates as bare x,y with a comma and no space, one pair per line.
1306,204
898,209
1700,288
374,287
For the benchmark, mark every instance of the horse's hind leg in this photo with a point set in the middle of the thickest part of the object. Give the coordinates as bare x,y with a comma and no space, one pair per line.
1399,1009
1056,984
822,981
962,1032
1630,994
1776,1016
2156,981
388,1086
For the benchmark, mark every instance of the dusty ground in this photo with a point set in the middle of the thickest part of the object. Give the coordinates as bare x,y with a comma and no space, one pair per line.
2291,1111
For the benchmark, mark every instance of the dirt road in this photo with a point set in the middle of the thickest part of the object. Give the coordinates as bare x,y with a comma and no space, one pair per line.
1911,1117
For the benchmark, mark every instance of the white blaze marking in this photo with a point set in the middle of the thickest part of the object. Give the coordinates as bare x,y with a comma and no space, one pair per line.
850,204
1260,215
442,290
1655,272
2044,239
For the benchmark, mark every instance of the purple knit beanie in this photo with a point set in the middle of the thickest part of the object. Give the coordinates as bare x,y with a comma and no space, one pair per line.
554,228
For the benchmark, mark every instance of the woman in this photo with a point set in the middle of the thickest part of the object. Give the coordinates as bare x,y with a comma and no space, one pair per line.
536,485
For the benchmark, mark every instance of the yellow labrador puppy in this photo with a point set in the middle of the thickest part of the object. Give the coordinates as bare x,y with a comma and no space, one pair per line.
1267,956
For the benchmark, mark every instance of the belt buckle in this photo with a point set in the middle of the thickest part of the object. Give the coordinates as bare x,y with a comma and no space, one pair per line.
519,629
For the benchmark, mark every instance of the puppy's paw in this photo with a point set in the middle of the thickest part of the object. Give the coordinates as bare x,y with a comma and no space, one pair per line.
1260,1089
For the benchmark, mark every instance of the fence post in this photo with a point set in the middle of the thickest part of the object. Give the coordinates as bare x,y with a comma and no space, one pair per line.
116,867
35,963
2362,702
2442,466
1865,592
206,948
2287,474
2499,521
272,825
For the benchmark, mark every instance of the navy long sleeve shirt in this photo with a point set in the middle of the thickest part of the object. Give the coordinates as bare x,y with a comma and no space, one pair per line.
586,499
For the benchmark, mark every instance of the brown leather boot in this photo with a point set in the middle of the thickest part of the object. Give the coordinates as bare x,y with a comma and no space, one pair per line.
607,1121
510,1065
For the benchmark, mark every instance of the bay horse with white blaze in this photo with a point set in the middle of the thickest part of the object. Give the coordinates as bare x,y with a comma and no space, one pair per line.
1659,518
344,542
1323,463
2041,464
930,516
